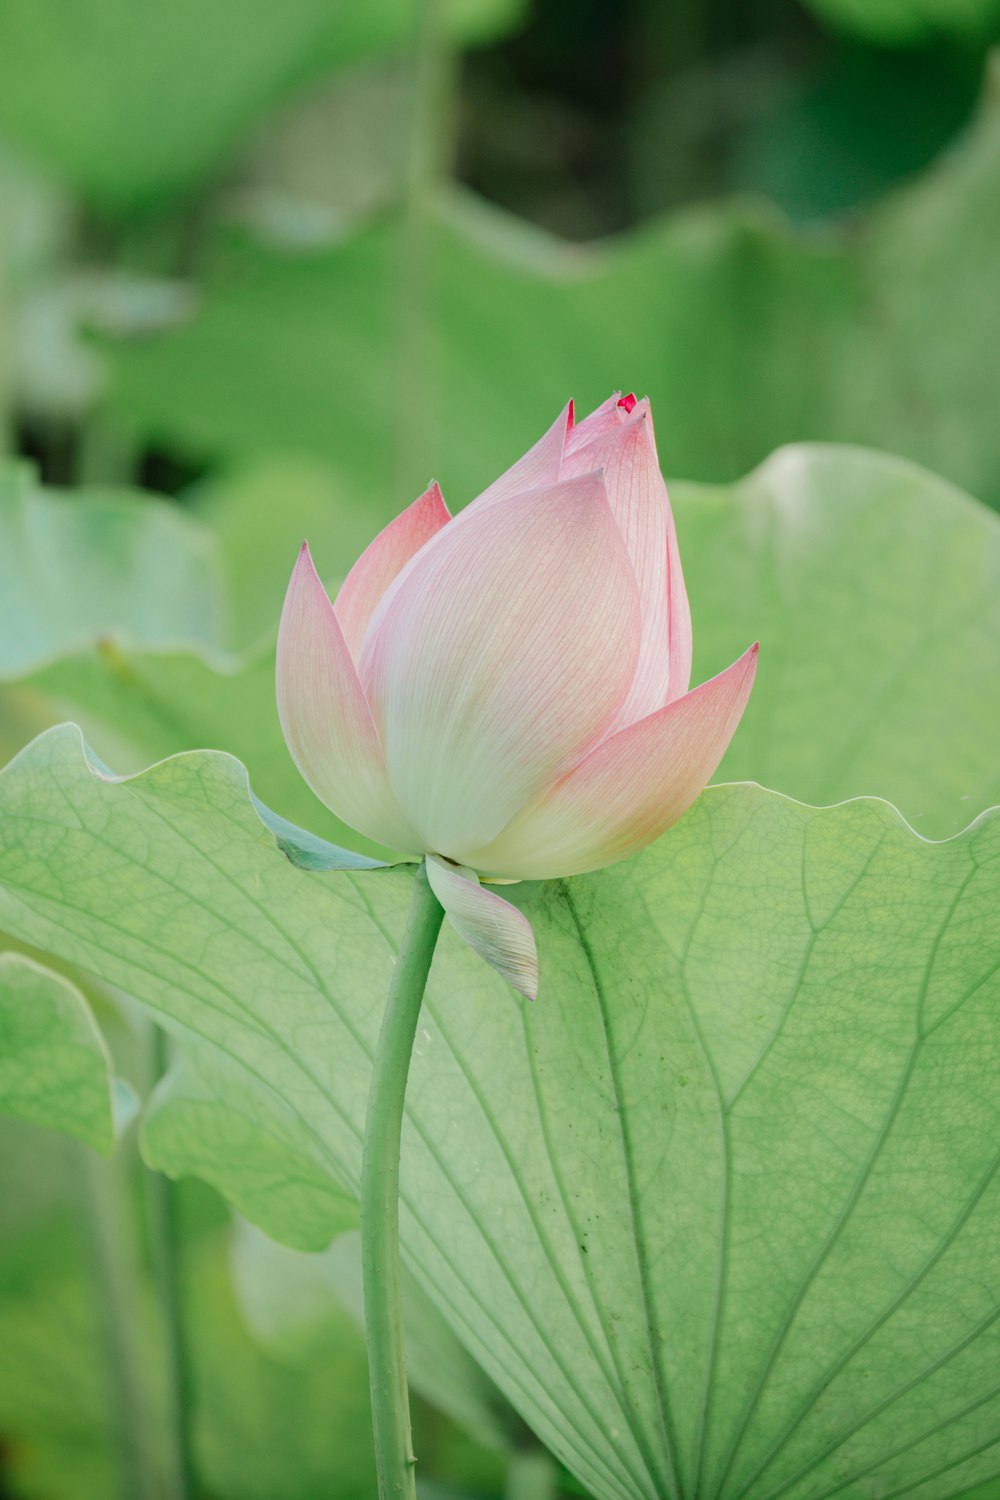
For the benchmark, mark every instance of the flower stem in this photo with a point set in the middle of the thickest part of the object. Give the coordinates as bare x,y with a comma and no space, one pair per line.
161,1208
103,1197
394,1457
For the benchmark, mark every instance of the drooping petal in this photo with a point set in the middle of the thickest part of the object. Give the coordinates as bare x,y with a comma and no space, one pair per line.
499,656
492,927
325,717
628,790
536,469
638,497
382,559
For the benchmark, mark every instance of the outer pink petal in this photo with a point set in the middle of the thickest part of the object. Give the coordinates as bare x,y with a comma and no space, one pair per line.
496,930
325,717
606,418
679,613
538,468
625,793
627,454
621,441
380,562
499,656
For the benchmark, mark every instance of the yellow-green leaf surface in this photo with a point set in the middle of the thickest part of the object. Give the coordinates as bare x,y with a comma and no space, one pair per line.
133,103
745,333
873,587
55,1069
718,1214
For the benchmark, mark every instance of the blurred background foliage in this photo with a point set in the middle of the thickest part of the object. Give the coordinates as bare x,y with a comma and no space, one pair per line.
262,271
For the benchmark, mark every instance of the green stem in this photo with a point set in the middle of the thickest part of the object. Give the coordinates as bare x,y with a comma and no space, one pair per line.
161,1203
105,1212
380,1197
531,1475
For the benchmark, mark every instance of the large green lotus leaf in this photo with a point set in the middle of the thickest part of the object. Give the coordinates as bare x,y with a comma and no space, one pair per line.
746,335
133,103
718,1214
873,586
100,565
55,1069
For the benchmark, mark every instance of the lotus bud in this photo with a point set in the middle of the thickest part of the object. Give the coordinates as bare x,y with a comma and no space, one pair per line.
506,691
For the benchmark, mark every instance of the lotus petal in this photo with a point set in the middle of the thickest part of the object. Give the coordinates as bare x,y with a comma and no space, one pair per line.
325,717
502,653
383,559
536,469
628,790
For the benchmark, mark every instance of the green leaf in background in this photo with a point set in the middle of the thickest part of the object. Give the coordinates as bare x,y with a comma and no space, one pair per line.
55,1069
718,1214
54,1408
196,1123
903,22
99,566
287,1298
88,580
875,591
260,515
268,1427
863,122
745,333
131,105
141,706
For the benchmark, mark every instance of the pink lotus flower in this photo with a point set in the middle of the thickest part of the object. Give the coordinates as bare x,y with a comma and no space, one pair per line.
507,691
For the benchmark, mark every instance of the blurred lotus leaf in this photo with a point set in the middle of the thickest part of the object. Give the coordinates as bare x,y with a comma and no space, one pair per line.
131,104
745,333
904,22
55,1069
104,566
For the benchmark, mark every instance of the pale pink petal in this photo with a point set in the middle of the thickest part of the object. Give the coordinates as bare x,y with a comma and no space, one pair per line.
679,615
382,559
625,793
638,497
325,717
606,418
492,927
537,468
624,446
501,654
